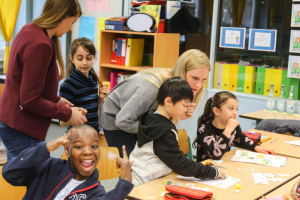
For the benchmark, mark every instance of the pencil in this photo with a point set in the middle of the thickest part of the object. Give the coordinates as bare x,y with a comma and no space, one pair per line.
274,140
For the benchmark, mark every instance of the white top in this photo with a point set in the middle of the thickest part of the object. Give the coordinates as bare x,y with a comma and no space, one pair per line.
67,189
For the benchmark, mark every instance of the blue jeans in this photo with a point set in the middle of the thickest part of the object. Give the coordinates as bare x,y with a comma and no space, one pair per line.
14,141
118,138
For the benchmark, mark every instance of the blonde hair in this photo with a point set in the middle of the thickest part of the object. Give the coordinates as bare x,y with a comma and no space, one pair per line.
191,59
54,12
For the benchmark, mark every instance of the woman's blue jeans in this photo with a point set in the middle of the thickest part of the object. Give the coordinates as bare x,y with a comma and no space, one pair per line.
14,141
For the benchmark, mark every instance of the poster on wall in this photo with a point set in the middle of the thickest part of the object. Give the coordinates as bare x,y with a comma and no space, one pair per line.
295,19
295,41
87,27
232,37
262,39
293,69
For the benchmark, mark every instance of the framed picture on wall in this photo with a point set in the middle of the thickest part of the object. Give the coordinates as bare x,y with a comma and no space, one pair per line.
295,19
232,37
262,40
293,67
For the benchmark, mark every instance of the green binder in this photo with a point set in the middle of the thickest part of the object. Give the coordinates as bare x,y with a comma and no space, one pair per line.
241,79
288,82
260,80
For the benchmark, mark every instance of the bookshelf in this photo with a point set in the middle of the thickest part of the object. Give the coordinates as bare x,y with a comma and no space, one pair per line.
165,51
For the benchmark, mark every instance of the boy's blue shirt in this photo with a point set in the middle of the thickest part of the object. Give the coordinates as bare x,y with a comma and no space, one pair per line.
46,176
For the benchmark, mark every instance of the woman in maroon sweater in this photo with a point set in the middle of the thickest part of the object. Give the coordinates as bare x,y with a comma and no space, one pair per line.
29,100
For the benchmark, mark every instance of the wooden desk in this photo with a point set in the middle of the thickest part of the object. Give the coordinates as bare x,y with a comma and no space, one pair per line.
262,114
284,189
3,158
282,148
250,190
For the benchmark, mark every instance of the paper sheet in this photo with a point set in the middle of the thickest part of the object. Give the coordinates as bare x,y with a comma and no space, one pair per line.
262,39
260,178
97,5
296,142
258,158
87,27
220,183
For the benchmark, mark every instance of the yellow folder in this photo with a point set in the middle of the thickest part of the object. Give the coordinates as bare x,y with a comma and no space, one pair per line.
277,81
250,79
269,78
226,76
134,52
218,75
234,71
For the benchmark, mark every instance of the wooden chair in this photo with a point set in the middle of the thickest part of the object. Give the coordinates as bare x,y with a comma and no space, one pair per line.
107,164
7,191
185,143
102,140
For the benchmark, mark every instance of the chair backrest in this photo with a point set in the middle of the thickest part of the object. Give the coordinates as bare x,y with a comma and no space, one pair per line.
107,165
102,140
7,191
183,141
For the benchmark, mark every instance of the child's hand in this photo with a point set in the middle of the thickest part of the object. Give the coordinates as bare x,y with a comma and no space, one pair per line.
189,112
103,91
125,164
230,126
260,149
63,140
221,174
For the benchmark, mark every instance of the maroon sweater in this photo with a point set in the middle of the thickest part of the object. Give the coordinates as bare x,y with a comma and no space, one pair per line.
29,99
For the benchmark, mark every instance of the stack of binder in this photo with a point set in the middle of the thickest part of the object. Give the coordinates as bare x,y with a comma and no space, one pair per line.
127,51
253,79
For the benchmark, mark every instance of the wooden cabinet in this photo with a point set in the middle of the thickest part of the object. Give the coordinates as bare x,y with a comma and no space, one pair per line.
165,50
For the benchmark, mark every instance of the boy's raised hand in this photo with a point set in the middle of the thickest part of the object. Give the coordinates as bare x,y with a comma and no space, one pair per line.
63,140
125,164
230,126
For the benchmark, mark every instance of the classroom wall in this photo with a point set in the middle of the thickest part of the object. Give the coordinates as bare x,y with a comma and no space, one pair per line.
115,9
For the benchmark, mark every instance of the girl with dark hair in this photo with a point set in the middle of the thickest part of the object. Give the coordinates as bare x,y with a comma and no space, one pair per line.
81,86
29,99
218,129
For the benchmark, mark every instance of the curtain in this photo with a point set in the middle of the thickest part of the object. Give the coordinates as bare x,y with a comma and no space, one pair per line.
9,10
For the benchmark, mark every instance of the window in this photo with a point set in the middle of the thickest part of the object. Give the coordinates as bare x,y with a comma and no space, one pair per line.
2,43
259,68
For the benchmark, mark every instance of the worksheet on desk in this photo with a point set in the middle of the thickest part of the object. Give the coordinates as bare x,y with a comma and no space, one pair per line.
220,183
296,142
259,158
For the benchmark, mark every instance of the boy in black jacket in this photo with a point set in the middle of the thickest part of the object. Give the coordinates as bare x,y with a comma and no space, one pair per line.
75,178
157,152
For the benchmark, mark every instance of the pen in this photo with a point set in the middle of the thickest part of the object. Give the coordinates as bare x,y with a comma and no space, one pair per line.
274,140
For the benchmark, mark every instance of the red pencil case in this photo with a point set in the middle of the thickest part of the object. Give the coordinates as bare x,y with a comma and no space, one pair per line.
255,136
183,193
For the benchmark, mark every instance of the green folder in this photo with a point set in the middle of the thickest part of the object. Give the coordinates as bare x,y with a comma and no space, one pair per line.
241,78
288,82
260,80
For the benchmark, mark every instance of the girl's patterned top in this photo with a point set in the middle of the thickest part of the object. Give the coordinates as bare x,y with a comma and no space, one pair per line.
212,143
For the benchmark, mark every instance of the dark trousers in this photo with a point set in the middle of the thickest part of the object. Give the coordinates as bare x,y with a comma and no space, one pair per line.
14,141
118,138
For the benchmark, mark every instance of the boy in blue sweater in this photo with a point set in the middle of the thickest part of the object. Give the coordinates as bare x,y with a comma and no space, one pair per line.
76,178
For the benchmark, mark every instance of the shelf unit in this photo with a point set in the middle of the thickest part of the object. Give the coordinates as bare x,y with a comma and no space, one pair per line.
165,51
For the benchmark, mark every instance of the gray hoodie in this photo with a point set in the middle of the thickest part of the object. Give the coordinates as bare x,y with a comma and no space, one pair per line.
126,102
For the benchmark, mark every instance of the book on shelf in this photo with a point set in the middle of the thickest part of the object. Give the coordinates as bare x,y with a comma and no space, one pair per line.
153,10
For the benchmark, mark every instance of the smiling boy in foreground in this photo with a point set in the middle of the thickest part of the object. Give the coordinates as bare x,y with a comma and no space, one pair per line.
76,178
